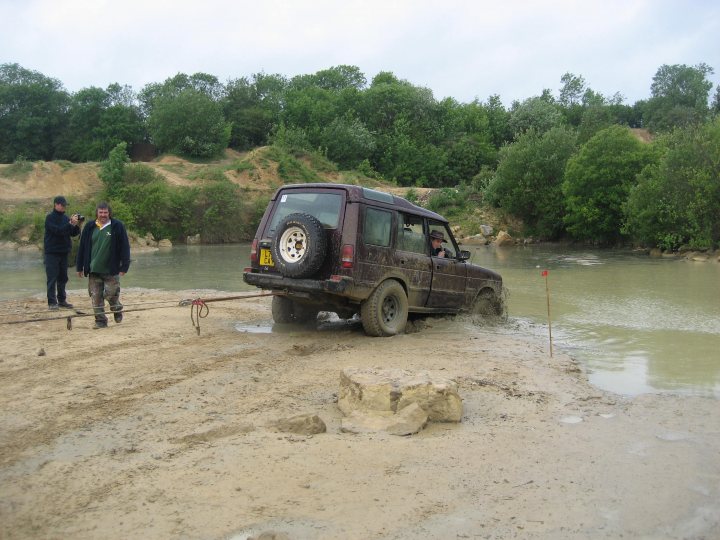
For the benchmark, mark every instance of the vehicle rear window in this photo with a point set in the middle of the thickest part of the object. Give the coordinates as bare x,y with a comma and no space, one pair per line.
325,207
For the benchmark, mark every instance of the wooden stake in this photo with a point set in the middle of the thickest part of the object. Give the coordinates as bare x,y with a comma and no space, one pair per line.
547,295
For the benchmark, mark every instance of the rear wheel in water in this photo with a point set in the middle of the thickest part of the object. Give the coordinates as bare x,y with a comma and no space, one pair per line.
385,312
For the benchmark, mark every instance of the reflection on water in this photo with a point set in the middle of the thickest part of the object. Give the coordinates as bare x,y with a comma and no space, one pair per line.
182,267
638,324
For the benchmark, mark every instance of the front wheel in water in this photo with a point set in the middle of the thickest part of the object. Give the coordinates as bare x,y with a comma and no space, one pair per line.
385,312
487,304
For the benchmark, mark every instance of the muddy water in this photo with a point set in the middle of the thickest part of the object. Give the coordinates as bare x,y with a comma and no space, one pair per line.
637,324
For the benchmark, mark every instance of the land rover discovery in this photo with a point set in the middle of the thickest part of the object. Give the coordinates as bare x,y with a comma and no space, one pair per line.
353,250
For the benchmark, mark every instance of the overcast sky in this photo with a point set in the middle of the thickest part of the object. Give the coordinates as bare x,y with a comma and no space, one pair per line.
460,49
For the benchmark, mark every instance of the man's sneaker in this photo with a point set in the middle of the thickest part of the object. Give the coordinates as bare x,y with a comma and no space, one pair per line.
99,325
65,304
53,307
117,316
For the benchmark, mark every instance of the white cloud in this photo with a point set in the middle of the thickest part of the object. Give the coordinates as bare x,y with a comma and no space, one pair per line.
460,49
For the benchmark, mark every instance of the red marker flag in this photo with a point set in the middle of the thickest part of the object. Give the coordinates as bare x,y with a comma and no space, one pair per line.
544,273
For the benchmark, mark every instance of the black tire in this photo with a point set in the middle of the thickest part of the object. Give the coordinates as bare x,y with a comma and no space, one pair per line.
299,246
282,310
385,312
486,304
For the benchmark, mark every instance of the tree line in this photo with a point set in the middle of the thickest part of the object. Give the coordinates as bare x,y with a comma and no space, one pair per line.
564,162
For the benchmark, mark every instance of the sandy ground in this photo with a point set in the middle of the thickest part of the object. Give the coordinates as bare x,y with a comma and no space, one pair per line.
147,430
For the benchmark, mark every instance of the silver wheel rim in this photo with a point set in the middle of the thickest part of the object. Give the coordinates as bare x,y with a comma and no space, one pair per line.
293,244
389,309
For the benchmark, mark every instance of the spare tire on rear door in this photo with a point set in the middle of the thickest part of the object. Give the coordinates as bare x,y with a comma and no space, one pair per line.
299,246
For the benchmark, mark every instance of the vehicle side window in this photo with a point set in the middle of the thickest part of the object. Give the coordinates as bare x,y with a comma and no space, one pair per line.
410,235
378,224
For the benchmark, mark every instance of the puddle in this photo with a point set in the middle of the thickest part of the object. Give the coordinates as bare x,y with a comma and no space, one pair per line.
672,436
254,328
326,322
571,420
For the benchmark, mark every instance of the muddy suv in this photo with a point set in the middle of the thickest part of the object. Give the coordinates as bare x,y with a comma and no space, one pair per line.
353,250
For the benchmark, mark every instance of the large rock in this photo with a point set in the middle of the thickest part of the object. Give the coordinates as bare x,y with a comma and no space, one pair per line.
475,240
504,239
487,230
407,421
391,391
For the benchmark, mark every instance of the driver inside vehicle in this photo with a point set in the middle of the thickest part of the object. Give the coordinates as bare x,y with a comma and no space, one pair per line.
437,249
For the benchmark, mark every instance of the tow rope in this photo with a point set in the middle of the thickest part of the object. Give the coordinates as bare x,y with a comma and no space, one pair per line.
199,309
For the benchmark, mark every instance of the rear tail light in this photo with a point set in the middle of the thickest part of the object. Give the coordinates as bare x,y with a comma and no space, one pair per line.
254,251
347,256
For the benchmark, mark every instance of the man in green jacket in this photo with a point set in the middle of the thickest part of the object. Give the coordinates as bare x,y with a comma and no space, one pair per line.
104,256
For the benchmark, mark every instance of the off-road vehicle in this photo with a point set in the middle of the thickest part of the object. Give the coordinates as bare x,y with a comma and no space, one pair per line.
353,250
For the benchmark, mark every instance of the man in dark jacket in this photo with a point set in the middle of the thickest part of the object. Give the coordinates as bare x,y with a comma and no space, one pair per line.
56,246
104,256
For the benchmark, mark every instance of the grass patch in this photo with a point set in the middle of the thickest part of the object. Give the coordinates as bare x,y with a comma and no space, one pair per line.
291,169
21,218
64,164
177,168
19,169
242,166
321,163
214,173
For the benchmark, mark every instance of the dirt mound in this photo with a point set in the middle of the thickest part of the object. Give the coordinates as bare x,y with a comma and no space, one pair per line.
643,134
48,179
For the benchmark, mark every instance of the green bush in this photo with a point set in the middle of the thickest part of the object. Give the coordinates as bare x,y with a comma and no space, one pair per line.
291,139
139,174
446,199
676,199
38,227
17,219
291,169
189,123
122,211
11,222
112,170
367,169
412,196
528,180
597,182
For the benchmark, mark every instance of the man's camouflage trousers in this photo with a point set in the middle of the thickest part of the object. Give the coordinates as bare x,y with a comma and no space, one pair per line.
104,287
